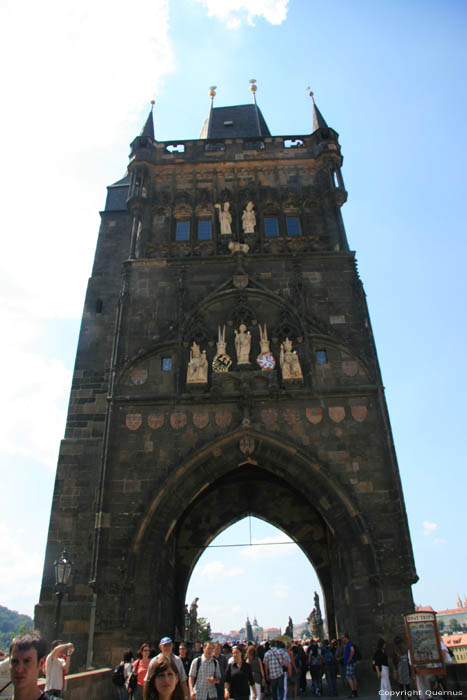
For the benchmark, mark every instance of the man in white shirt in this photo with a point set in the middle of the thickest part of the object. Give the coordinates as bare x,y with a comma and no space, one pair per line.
57,666
166,649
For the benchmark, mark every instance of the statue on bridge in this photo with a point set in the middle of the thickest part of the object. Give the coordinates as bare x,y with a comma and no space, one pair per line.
289,628
315,620
193,630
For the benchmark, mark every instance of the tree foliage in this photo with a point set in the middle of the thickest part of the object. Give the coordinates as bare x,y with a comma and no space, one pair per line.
204,629
11,624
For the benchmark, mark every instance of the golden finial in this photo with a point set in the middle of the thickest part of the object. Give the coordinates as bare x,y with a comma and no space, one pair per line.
253,87
212,91
153,102
310,91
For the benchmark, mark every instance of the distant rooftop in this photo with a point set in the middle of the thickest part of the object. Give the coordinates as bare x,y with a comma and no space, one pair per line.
240,121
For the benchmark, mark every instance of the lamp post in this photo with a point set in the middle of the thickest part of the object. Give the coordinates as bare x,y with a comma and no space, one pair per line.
62,567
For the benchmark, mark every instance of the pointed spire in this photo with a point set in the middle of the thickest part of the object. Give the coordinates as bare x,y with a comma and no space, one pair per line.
253,89
318,119
148,128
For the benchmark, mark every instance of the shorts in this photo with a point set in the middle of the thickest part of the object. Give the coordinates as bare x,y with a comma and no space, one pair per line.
350,671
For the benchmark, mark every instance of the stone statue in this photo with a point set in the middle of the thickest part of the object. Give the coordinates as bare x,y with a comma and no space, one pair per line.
221,361
197,372
242,345
249,218
319,618
312,622
290,364
225,217
289,628
194,621
265,359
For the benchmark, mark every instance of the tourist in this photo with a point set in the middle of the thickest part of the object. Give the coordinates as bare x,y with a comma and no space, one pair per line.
274,664
5,681
204,675
27,655
257,670
294,669
222,661
350,662
381,666
184,658
57,665
400,661
163,682
166,651
239,678
138,674
330,667
315,662
339,654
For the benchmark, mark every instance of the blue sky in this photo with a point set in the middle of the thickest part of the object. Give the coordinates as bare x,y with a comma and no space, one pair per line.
389,77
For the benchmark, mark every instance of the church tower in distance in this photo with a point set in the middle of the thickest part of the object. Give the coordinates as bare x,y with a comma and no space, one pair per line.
226,367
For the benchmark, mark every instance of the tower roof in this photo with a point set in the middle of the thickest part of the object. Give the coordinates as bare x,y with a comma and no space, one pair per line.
148,128
318,119
240,121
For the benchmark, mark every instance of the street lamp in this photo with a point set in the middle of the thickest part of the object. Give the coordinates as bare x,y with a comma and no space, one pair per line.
62,568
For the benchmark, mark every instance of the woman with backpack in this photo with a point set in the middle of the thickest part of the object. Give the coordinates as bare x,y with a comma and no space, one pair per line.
121,673
315,662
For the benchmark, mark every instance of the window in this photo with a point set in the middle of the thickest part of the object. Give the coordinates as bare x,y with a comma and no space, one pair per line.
271,226
293,225
166,364
321,357
182,231
204,229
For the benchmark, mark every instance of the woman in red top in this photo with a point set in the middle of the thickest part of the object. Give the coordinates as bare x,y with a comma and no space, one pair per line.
140,668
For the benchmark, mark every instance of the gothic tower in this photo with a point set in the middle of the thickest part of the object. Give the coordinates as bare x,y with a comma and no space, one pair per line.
225,367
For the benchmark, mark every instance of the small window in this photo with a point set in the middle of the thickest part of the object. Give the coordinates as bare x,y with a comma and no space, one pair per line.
99,305
271,226
204,230
293,225
228,122
166,364
182,231
321,357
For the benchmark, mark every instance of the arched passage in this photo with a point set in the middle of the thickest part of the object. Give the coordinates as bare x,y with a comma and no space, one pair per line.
216,487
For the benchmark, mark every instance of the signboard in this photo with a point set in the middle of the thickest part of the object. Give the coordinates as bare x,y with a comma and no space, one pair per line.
424,643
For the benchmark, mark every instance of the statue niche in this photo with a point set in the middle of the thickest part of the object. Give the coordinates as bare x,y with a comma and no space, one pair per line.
197,371
290,364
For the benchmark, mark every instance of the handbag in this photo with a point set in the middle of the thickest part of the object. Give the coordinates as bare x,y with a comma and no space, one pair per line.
133,679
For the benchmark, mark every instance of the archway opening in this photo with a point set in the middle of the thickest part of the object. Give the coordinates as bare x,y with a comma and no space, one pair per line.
254,570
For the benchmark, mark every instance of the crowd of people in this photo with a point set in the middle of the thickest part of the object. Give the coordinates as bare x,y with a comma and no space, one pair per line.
250,671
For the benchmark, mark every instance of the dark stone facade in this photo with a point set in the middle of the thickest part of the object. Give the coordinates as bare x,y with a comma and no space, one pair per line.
151,469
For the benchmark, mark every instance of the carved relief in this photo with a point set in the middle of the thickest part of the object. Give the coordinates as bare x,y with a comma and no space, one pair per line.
290,364
197,371
225,217
221,361
249,218
243,345
265,359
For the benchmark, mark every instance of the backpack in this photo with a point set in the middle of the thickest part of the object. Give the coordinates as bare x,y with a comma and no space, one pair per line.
118,677
328,656
357,654
198,664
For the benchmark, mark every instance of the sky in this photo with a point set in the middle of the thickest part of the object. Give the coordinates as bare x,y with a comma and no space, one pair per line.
389,77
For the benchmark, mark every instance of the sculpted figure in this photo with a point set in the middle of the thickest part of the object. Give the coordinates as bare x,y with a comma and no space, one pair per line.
242,345
225,217
290,364
197,372
238,247
249,218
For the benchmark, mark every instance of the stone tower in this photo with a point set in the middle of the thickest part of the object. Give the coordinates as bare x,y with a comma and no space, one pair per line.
225,367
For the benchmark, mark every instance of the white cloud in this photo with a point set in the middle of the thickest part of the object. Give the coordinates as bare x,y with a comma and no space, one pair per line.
280,590
232,12
24,567
439,540
216,570
273,548
428,528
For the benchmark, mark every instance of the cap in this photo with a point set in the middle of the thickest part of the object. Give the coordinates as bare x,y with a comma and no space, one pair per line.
165,640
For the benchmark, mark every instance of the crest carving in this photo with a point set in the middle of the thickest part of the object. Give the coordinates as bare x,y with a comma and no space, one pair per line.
223,417
133,421
138,376
359,413
269,416
200,419
156,420
337,413
178,420
314,415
